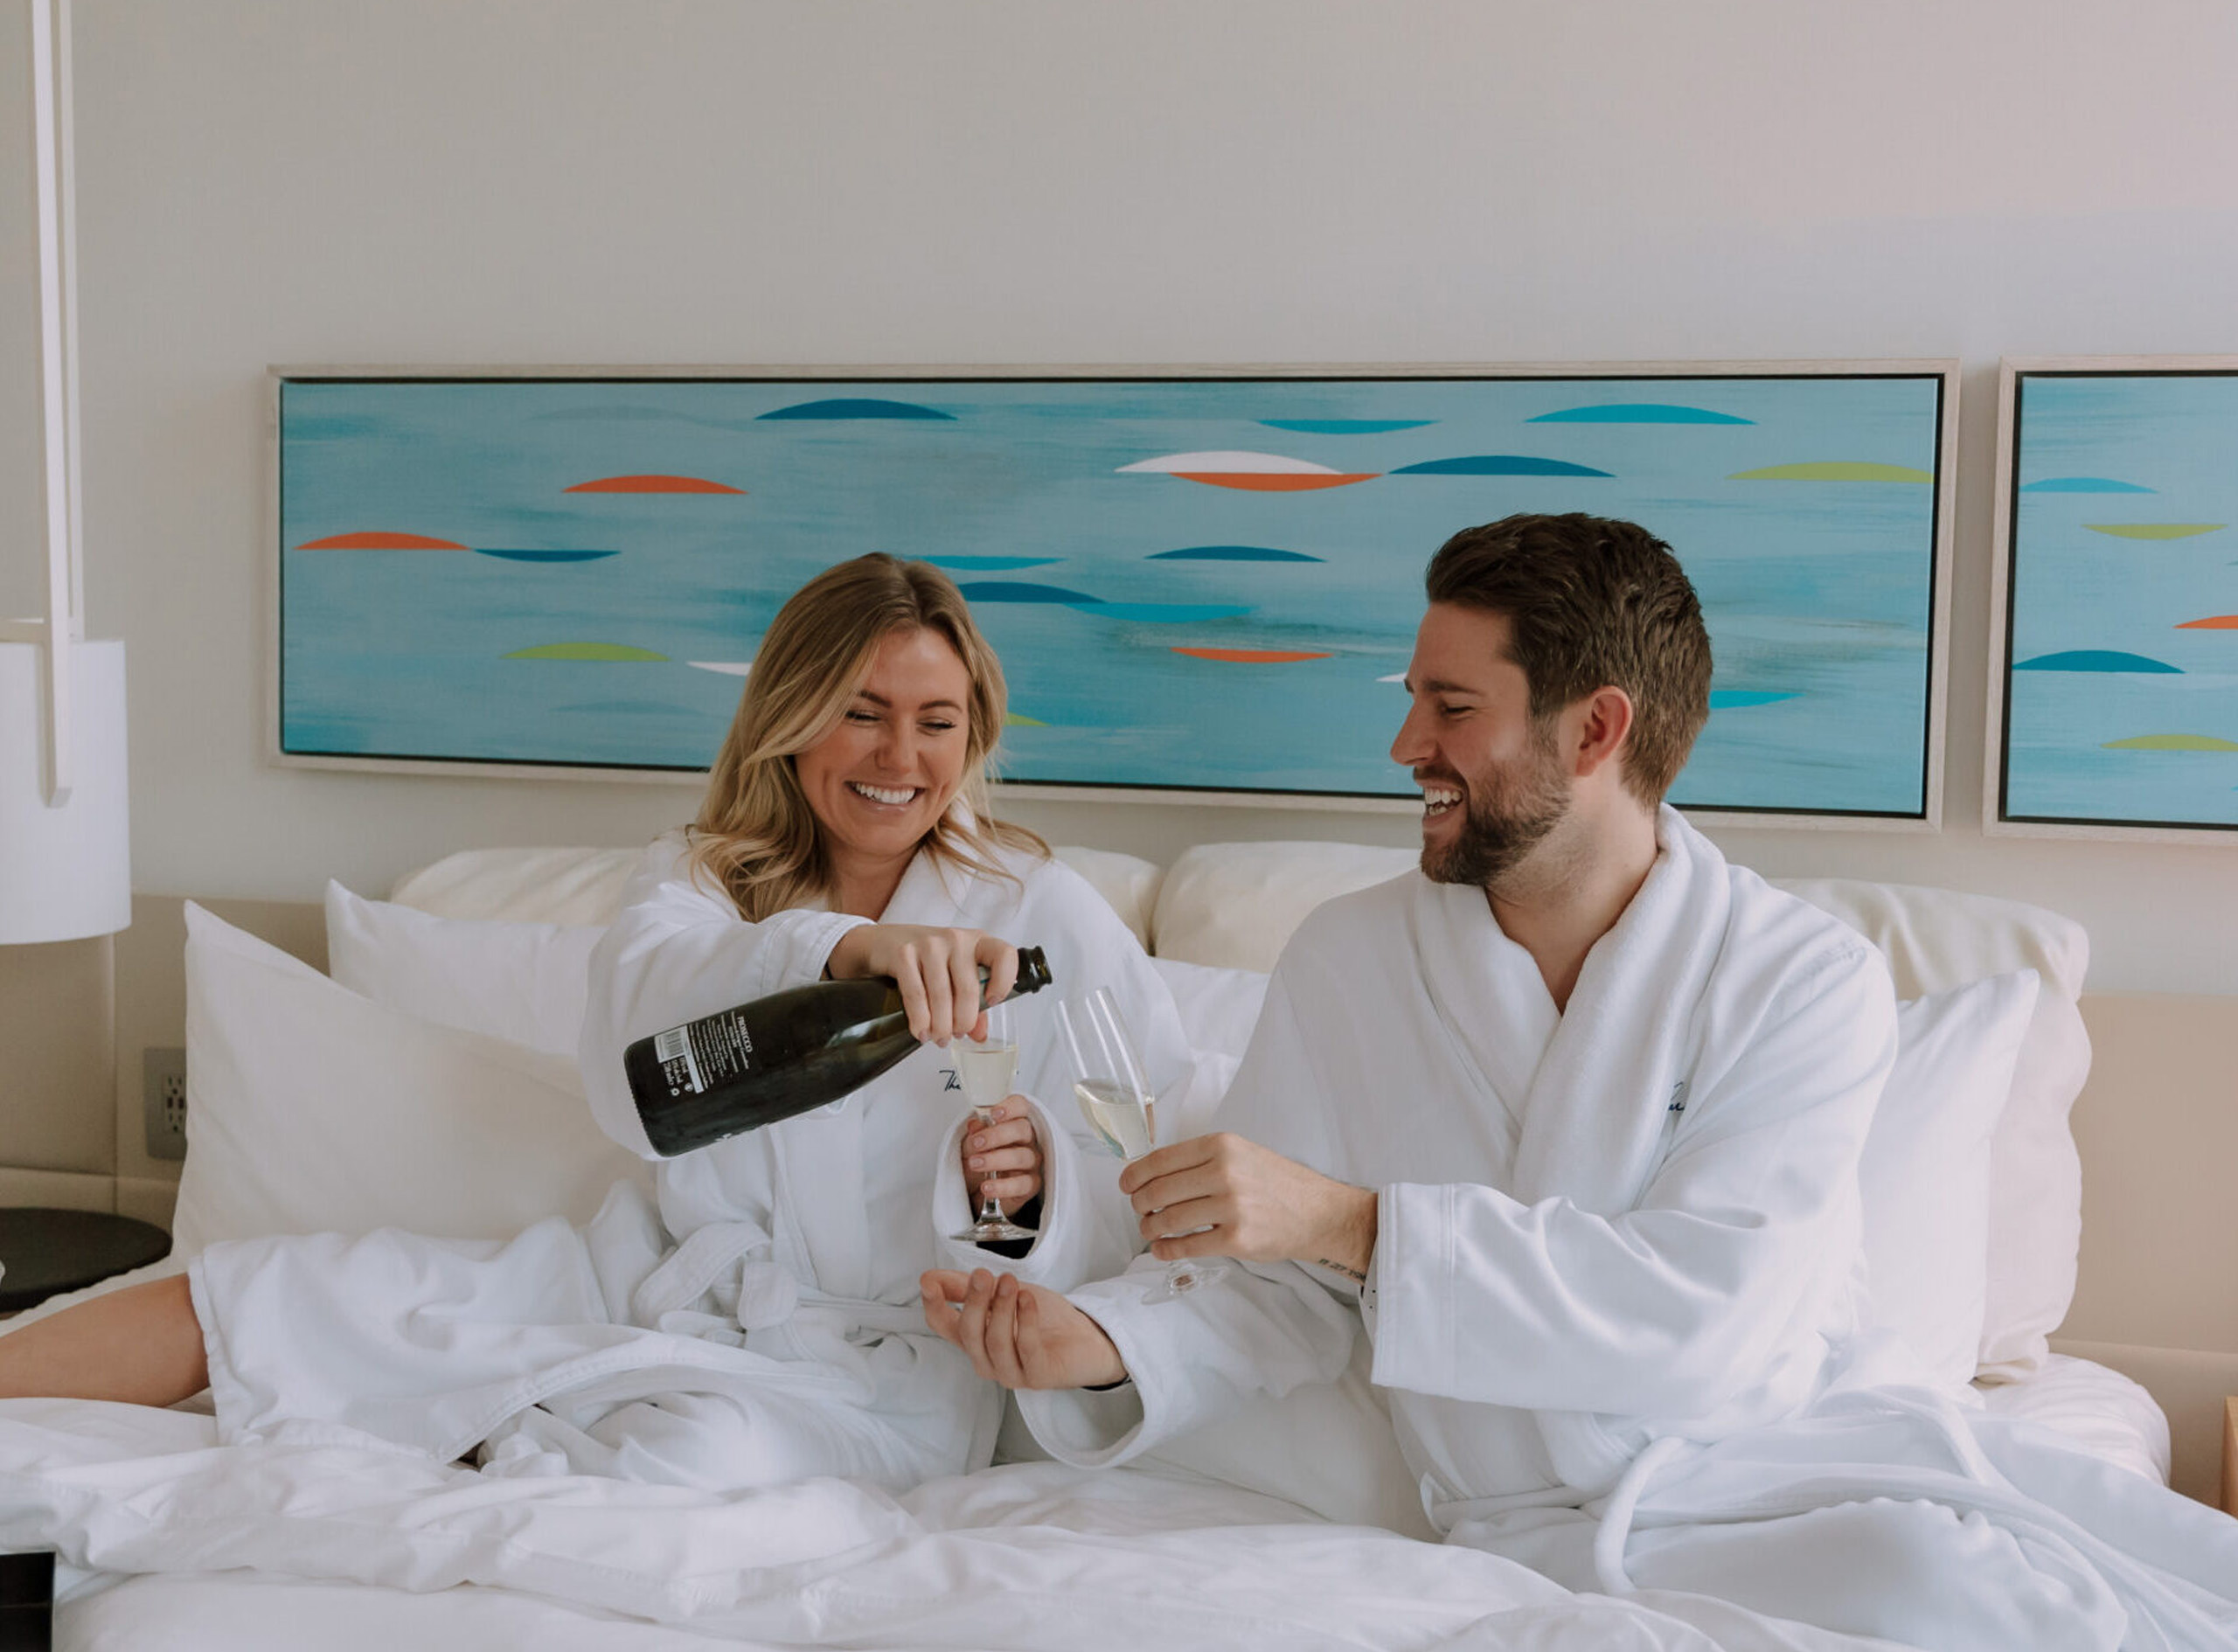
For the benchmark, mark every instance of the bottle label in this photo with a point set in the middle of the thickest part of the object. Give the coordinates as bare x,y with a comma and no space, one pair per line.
702,1054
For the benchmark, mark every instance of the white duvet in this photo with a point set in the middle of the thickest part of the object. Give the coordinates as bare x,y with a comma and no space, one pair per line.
246,1544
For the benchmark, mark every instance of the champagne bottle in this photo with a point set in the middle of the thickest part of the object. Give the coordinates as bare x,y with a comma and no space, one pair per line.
745,1067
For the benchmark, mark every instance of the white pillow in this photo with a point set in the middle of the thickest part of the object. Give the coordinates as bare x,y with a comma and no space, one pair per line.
1924,1178
1128,882
1235,904
1937,939
576,886
311,1109
522,885
1219,1006
526,983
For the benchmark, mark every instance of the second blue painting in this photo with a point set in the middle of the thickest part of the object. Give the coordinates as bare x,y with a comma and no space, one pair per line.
2121,687
1204,584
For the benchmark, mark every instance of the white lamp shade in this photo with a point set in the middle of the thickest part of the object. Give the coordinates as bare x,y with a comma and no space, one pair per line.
64,873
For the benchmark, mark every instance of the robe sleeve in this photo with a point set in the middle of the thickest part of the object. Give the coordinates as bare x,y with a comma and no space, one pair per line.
1264,1328
679,951
1670,1307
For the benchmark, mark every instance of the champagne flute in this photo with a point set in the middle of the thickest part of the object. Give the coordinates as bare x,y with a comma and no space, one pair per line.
988,1069
1114,1095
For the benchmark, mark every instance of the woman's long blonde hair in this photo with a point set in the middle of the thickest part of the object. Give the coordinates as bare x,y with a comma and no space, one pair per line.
756,834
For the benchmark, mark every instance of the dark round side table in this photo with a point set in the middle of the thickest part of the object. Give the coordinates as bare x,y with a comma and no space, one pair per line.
48,1252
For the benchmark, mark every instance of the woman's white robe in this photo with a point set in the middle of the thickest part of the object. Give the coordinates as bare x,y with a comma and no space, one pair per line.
763,1324
1618,1253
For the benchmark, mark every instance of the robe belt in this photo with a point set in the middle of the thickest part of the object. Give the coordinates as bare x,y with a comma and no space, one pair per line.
1616,1528
768,1294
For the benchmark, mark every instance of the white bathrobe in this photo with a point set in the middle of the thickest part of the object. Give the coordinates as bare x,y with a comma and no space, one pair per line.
763,1325
1618,1261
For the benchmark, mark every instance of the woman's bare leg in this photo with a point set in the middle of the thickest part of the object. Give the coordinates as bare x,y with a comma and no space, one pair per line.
142,1345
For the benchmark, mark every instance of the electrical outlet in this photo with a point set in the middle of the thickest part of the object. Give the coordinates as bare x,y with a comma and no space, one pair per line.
163,1085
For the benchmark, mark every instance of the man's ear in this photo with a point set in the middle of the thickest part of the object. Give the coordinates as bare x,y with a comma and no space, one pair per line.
1604,722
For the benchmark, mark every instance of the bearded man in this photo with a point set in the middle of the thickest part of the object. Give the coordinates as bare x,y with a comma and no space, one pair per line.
1568,1125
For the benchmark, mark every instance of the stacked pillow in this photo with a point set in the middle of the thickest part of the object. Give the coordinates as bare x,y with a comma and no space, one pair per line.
525,983
318,1108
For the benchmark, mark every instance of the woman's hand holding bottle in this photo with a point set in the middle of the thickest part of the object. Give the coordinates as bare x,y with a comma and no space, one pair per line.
937,971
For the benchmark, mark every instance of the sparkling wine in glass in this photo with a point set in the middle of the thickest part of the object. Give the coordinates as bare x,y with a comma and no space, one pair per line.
1115,1099
988,1070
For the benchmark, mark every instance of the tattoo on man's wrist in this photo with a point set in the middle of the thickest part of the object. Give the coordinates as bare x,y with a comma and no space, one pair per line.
1352,1274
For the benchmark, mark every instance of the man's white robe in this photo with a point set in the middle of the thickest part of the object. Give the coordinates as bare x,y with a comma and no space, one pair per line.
763,1325
1618,1253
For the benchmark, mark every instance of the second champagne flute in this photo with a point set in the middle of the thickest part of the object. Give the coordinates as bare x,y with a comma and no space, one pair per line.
1114,1092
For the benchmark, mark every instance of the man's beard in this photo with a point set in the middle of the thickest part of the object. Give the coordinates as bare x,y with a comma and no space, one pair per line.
1514,817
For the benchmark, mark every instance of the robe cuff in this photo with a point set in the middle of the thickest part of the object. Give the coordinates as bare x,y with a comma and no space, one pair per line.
803,947
1101,1428
1085,1427
1409,1277
1062,1247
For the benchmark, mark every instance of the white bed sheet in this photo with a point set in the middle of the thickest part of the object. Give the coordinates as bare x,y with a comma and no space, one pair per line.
252,1611
2111,1416
1021,1558
1033,1555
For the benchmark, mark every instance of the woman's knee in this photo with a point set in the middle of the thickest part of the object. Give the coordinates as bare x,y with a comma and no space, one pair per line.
142,1345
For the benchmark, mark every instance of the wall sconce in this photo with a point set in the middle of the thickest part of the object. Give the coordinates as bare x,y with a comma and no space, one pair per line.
65,828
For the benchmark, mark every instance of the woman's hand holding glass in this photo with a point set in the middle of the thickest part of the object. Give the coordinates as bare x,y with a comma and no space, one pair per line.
1002,1158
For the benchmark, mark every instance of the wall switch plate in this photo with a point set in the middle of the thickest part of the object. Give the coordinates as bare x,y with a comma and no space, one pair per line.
163,1085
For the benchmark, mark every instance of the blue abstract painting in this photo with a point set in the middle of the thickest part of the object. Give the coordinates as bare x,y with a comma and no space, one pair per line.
1204,584
2121,688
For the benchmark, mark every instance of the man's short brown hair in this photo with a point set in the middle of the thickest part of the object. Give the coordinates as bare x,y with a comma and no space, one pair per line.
1592,602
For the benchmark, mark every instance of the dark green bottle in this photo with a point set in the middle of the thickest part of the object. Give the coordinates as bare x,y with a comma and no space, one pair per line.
740,1069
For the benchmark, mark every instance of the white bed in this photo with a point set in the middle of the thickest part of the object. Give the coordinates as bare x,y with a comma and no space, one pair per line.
405,1102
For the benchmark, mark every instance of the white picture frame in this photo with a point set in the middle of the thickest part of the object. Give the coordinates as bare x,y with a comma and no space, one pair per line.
1932,740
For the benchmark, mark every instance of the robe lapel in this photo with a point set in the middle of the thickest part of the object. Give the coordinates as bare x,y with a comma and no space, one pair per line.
1491,999
1600,1113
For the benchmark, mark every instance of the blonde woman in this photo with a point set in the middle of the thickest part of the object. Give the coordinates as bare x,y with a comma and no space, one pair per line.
763,1323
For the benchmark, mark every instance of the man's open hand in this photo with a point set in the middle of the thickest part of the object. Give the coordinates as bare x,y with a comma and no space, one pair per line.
1253,1203
1019,1335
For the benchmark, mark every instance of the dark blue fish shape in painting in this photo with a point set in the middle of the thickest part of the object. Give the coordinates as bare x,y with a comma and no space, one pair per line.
1062,596
1165,613
1346,426
2099,660
1021,591
1230,553
1637,412
857,407
542,556
1498,464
